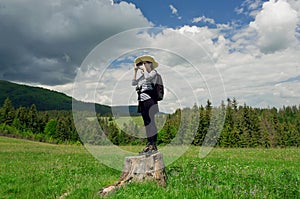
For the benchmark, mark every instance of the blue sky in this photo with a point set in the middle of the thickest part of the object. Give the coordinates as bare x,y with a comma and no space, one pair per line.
248,48
178,13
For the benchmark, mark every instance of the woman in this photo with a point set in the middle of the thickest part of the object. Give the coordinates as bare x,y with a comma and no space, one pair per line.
147,105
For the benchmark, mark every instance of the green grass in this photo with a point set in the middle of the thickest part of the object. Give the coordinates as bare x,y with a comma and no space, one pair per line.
38,170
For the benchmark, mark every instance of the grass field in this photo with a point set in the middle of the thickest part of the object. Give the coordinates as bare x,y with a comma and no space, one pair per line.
38,170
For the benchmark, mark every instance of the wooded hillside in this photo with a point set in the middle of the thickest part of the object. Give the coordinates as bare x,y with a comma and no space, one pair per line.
244,126
43,99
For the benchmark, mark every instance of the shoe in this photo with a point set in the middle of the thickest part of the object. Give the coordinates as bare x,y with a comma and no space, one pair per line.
145,150
153,148
149,150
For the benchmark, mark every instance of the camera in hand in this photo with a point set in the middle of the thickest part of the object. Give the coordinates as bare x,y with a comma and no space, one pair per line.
139,64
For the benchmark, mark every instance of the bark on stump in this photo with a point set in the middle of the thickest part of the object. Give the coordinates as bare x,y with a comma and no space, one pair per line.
140,168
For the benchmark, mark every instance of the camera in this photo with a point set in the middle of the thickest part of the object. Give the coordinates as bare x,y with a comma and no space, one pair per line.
139,64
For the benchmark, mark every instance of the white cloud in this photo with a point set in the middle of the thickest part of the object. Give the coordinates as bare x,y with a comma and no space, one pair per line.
52,38
276,26
203,19
173,49
174,11
295,4
248,74
255,78
255,62
249,7
252,60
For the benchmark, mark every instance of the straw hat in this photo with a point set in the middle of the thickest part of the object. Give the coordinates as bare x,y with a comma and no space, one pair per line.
146,58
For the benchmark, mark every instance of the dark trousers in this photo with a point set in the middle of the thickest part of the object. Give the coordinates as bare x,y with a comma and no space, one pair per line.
148,109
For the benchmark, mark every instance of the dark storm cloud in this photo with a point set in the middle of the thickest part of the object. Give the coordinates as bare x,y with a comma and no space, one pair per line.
46,41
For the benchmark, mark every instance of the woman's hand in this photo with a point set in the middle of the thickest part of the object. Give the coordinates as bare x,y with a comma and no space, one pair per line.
135,67
142,67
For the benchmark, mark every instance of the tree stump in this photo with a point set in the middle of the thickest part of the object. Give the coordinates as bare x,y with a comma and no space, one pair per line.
140,168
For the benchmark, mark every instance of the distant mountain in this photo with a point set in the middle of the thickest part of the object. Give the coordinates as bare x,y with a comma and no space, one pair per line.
44,99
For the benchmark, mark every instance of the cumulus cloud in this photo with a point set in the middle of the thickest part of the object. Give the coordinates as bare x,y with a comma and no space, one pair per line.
183,56
276,26
258,63
260,66
295,4
46,41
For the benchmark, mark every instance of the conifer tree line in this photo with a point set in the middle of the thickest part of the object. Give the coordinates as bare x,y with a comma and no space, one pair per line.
236,125
29,123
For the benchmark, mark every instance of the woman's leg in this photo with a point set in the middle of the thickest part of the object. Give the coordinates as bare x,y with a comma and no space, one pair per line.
149,109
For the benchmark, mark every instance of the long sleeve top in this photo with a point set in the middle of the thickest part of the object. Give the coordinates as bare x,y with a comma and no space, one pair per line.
144,82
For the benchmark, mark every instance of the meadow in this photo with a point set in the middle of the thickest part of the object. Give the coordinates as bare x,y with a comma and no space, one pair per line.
39,170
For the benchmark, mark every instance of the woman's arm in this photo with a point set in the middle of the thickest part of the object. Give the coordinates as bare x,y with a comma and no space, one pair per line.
134,80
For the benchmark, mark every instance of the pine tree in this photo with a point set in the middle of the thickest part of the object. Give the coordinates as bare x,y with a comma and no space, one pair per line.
43,120
297,130
113,133
7,112
216,125
21,116
227,136
33,120
62,131
73,132
202,127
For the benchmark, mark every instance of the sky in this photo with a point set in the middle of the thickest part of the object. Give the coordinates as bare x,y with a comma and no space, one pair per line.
243,49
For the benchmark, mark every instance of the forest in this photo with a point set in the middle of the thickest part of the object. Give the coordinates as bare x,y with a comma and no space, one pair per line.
239,126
